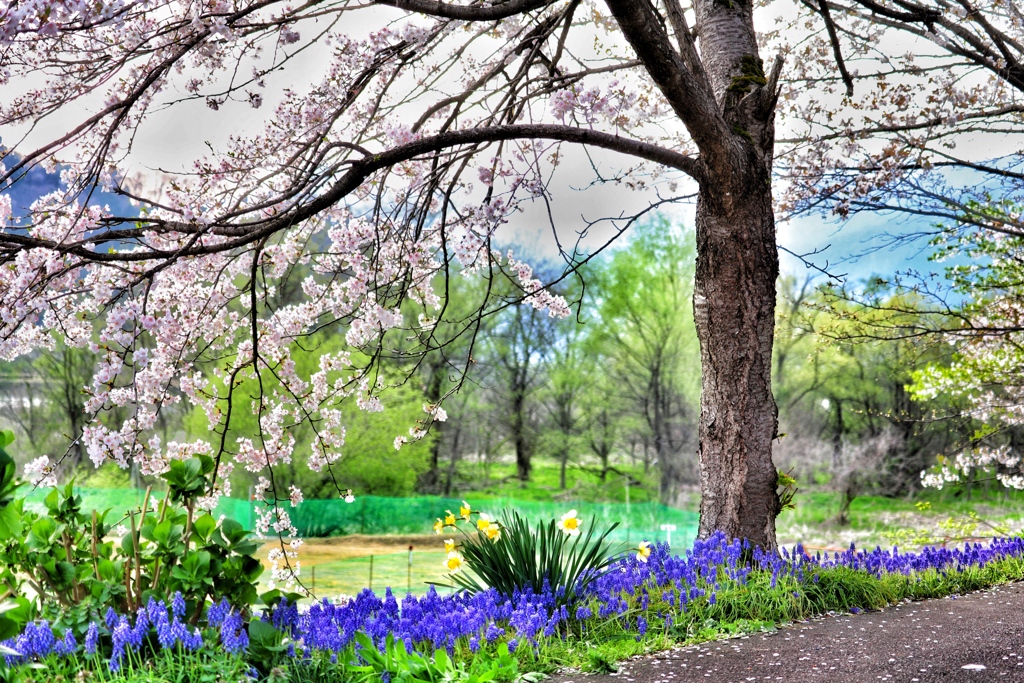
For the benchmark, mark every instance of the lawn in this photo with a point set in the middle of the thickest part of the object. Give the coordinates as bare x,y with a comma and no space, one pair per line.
583,482
342,565
876,520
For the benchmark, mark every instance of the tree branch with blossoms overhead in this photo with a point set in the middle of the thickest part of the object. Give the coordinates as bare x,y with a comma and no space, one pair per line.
331,194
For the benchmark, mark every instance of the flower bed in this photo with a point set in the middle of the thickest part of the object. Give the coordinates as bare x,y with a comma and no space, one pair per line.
642,602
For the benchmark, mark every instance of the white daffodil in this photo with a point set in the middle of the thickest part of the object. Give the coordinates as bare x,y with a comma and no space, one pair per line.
643,551
454,562
569,524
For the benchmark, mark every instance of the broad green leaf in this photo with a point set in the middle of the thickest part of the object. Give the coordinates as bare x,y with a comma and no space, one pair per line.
204,526
10,522
263,633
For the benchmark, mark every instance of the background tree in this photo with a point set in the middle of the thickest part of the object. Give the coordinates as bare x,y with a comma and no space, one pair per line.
985,372
844,404
517,349
644,301
42,397
439,371
570,372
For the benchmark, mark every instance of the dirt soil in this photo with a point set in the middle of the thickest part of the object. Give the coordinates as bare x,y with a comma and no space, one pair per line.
316,551
976,637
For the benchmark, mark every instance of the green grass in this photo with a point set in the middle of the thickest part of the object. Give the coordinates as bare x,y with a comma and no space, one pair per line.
876,520
349,577
498,480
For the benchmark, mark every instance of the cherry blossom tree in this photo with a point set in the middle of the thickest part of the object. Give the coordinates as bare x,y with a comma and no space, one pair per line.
913,108
429,125
985,374
910,107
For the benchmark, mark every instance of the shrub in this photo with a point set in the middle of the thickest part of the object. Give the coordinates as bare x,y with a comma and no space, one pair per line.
64,560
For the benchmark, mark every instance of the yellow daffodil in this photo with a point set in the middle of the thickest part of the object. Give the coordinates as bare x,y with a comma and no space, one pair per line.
438,526
449,545
493,532
570,523
464,511
449,518
644,551
454,561
483,522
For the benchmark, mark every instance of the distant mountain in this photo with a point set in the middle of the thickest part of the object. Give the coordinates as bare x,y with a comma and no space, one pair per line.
37,182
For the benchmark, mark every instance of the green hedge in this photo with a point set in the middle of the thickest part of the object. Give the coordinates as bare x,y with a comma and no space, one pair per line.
375,515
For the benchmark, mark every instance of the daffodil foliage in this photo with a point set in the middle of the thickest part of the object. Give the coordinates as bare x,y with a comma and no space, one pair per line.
562,557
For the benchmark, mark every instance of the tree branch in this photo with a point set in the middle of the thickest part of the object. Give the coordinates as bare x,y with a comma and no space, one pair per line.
690,97
684,39
917,15
446,10
833,38
248,233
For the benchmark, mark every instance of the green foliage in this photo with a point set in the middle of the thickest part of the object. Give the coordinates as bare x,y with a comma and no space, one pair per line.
965,526
584,482
188,479
369,664
644,353
66,561
371,464
522,557
208,665
10,509
268,647
840,376
397,663
599,662
46,401
786,497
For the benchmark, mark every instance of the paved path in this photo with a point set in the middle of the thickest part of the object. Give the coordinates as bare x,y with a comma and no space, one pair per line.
976,637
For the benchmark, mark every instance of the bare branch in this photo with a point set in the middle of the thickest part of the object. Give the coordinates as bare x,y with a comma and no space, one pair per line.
836,49
480,12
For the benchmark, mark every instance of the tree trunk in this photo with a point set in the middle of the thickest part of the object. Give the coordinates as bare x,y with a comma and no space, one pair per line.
734,310
564,462
520,438
722,93
430,481
837,440
451,463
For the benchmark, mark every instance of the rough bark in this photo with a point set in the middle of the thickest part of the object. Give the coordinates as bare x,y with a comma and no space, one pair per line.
737,260
734,308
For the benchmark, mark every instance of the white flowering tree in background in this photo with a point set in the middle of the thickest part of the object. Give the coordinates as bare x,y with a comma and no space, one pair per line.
986,372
